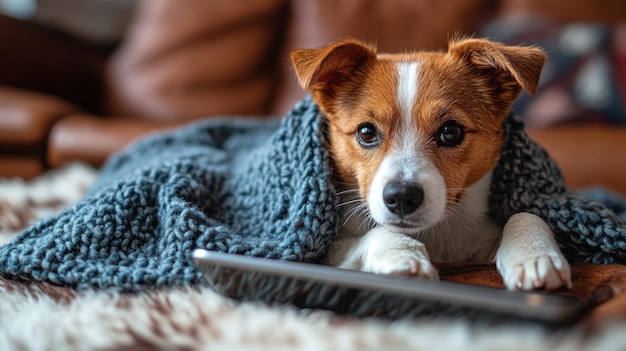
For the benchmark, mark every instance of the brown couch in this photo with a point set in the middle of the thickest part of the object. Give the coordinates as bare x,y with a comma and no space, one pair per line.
62,99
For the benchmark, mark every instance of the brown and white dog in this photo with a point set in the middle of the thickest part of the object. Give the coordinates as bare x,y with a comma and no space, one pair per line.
414,138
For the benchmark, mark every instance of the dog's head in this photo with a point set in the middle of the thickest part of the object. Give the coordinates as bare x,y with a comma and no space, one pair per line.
412,131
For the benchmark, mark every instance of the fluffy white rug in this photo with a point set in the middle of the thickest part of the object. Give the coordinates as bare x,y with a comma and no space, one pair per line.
39,316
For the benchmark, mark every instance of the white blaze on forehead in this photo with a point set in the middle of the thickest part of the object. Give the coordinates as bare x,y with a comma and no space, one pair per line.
406,139
407,89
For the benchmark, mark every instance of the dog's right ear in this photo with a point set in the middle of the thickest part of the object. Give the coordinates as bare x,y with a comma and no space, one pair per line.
323,70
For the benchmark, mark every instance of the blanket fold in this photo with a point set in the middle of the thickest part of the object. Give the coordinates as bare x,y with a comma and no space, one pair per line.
251,187
526,179
261,188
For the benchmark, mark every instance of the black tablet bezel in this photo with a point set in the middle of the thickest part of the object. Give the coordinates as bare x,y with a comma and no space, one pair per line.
533,305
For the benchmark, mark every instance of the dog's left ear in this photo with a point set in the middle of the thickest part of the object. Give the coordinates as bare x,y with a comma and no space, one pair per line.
518,66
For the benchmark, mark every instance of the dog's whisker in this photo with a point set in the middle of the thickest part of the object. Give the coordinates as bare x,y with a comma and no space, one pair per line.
348,191
456,211
368,218
358,209
349,202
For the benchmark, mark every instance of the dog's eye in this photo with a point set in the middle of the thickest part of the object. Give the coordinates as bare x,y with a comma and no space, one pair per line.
367,135
450,134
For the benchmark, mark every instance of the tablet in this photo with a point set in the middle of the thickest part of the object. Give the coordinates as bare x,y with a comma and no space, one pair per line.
363,294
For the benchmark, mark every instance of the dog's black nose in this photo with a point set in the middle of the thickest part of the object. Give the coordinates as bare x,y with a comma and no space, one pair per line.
402,199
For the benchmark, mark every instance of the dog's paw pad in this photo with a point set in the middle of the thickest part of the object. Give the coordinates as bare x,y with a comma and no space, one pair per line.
400,262
541,272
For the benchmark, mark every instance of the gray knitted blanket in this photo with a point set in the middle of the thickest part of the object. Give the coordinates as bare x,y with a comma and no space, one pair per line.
260,188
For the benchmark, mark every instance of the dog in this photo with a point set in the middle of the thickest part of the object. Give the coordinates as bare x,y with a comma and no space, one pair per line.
413,139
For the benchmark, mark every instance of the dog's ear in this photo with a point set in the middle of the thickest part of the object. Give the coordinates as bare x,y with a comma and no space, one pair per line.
515,67
323,70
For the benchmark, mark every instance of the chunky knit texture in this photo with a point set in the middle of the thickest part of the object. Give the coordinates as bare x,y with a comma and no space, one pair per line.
250,187
526,179
260,188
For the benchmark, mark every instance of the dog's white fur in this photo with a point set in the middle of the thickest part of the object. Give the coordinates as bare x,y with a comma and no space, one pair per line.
525,251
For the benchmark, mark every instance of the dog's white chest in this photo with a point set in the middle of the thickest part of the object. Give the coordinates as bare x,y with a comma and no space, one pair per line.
469,236
465,234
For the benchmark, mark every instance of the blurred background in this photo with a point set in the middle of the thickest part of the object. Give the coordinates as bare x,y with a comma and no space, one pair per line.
80,79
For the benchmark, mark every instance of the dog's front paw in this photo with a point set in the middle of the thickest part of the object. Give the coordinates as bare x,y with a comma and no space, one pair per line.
529,257
545,271
401,262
